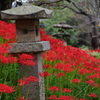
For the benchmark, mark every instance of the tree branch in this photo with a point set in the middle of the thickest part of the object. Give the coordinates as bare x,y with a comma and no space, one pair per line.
48,2
66,6
80,10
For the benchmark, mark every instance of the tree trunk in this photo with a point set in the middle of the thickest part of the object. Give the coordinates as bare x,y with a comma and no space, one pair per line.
95,41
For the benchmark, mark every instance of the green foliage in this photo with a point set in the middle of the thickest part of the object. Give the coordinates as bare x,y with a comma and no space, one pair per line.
58,16
9,76
84,47
96,54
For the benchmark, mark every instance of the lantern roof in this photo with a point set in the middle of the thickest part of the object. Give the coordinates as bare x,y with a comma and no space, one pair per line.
63,25
61,34
26,11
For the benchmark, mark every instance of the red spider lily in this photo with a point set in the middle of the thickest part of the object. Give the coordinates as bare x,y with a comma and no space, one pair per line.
70,58
32,79
26,59
67,69
22,82
20,98
53,88
3,59
6,89
7,31
25,81
91,82
92,95
67,90
44,74
8,35
59,74
98,50
42,32
51,56
3,50
76,81
66,98
84,71
26,63
52,97
59,66
7,60
96,75
5,45
46,66
12,60
97,70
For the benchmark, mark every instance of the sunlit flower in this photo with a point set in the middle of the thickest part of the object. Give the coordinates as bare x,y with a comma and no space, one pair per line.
76,81
93,95
25,81
44,74
53,88
66,98
6,89
91,82
52,97
67,90
22,82
84,71
59,74
32,79
46,66
26,59
96,75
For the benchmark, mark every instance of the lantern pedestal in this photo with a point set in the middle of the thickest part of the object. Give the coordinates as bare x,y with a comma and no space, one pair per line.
33,91
28,41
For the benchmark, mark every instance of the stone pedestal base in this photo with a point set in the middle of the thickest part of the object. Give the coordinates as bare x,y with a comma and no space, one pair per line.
33,91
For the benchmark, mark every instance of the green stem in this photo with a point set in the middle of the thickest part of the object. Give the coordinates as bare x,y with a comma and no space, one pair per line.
15,76
82,90
20,91
10,71
28,91
5,78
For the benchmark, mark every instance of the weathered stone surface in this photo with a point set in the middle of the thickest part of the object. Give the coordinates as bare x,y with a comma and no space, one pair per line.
26,12
36,90
29,47
27,30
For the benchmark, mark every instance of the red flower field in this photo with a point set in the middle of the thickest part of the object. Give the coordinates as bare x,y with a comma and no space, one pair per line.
70,73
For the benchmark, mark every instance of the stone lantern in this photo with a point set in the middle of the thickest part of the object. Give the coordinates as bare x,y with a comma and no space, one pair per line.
28,41
62,26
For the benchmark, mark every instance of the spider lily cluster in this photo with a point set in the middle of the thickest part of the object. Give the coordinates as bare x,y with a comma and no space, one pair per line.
69,72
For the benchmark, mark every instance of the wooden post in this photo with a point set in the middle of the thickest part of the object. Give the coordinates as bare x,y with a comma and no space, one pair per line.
28,41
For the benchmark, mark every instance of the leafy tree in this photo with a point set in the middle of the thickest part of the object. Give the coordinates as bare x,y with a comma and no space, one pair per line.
89,9
57,17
